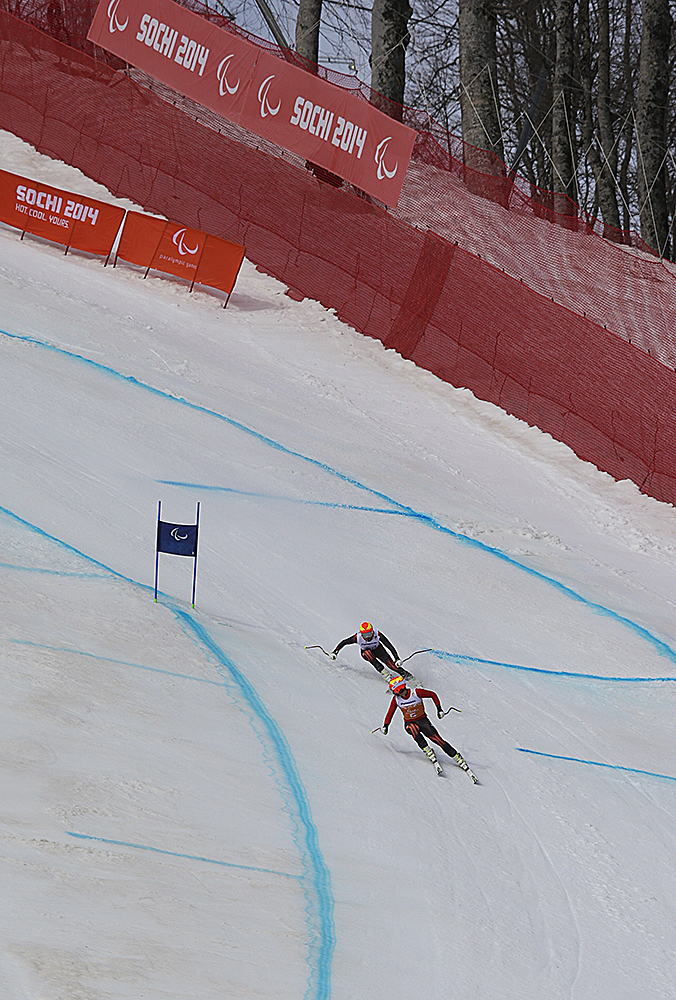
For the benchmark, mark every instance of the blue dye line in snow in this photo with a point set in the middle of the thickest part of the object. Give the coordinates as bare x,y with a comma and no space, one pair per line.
598,763
462,658
107,571
661,647
319,908
316,882
178,854
280,499
54,572
120,663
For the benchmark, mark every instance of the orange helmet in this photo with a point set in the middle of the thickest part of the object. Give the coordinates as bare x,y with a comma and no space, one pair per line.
366,629
397,685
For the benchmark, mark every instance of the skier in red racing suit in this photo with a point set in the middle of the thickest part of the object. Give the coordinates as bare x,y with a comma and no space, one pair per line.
417,724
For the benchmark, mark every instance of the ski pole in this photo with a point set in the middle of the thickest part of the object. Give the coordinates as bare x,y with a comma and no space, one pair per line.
451,709
378,730
415,654
318,647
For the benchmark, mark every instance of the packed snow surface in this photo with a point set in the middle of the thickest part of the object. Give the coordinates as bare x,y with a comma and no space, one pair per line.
193,804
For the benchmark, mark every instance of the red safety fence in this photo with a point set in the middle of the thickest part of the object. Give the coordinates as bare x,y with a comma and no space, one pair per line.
483,172
59,216
175,249
472,280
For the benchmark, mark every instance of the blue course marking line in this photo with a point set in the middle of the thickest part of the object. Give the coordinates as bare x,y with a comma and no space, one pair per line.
120,663
598,763
461,658
320,901
69,548
178,854
281,499
53,572
316,881
661,647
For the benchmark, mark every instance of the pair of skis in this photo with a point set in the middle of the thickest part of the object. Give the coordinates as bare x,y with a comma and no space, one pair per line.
462,763
387,673
469,770
415,653
430,754
459,760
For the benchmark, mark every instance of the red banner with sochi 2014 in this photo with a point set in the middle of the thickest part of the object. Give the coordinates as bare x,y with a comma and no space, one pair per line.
274,99
60,216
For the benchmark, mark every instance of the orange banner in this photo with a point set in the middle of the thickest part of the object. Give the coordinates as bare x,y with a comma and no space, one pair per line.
57,215
319,121
220,263
140,238
175,249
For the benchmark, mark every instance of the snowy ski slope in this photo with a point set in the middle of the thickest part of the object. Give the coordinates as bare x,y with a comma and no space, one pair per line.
193,804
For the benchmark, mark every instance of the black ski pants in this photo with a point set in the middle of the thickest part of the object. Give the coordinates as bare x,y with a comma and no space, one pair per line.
422,728
379,658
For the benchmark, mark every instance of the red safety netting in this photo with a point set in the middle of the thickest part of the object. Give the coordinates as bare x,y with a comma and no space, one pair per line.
480,283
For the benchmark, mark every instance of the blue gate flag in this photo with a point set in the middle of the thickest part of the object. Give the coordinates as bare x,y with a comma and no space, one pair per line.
177,539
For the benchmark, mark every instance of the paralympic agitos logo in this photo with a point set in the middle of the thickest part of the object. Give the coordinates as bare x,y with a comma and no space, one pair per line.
178,239
113,21
381,150
221,76
263,91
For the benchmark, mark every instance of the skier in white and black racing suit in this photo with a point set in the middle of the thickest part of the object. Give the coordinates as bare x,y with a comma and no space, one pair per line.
375,647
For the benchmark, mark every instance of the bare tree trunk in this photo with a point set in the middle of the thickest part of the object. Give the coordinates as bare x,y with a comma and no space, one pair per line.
389,40
479,103
651,109
603,163
628,128
607,179
307,29
563,125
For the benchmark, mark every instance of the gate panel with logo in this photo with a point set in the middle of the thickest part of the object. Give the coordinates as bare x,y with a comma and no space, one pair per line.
179,250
